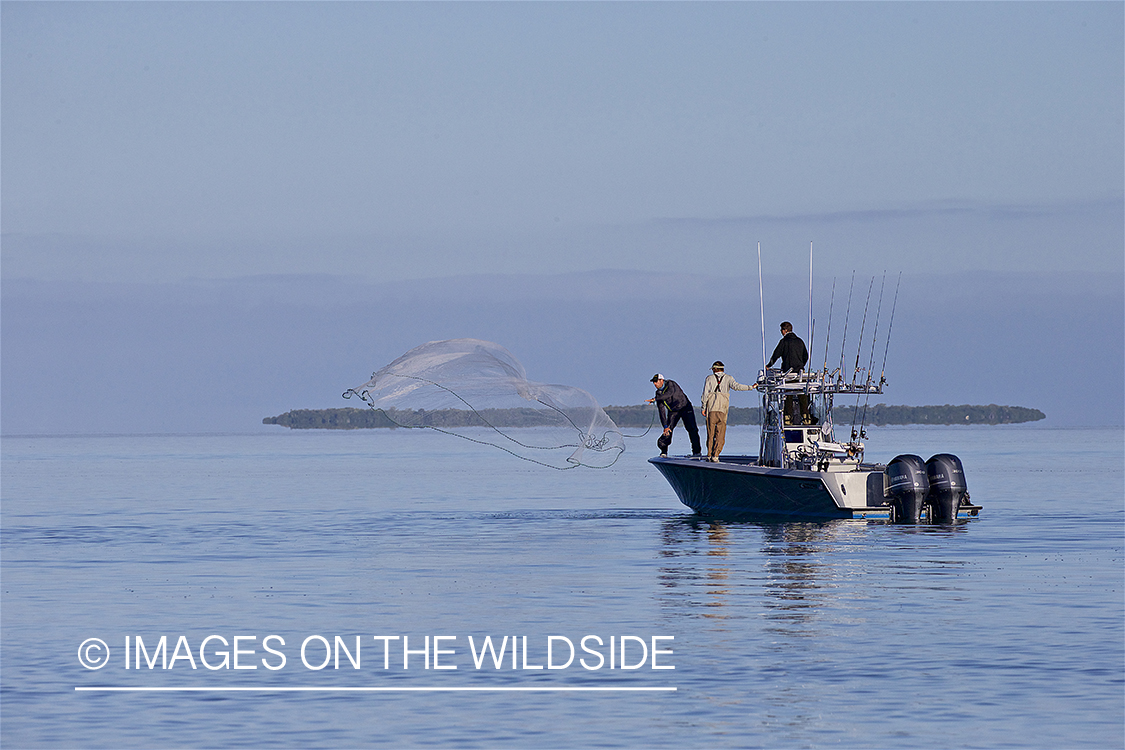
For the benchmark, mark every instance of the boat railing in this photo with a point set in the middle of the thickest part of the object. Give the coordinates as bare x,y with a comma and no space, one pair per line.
773,380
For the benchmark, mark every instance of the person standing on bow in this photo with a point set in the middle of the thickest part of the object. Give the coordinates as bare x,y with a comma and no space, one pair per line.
794,356
674,405
716,403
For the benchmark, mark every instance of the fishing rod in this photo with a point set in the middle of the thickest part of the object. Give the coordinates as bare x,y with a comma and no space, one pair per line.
844,341
858,351
812,337
862,328
890,325
828,338
875,333
762,305
762,414
871,360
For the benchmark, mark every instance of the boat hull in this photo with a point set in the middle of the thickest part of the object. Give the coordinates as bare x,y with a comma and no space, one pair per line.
736,488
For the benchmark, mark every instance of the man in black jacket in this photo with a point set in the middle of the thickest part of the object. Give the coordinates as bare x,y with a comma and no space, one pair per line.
674,406
794,356
790,350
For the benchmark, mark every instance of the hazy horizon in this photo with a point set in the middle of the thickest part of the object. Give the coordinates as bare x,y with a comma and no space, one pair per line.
219,355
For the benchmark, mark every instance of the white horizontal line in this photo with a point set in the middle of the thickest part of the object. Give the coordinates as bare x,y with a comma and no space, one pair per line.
450,689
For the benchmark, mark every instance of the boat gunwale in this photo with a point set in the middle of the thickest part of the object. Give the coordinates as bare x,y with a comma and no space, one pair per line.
749,465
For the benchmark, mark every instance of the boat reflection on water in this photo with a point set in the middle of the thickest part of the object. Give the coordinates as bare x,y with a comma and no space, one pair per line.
810,626
714,569
792,574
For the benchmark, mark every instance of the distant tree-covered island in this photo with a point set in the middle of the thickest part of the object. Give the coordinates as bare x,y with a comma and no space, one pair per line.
640,415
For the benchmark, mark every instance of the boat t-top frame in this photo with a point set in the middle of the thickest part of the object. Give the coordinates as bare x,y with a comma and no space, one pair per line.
796,418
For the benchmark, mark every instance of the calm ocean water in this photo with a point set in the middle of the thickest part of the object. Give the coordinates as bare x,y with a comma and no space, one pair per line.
1006,631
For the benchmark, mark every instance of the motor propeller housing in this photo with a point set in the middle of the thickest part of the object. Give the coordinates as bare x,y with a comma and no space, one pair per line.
947,486
908,485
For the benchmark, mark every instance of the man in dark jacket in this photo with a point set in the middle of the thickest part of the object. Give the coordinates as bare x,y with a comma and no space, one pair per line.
674,406
790,350
794,356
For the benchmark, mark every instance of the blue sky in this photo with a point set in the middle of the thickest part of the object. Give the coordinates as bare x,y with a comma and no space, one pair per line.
158,141
163,162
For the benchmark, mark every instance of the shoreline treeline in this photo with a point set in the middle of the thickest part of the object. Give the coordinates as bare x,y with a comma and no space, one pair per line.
639,415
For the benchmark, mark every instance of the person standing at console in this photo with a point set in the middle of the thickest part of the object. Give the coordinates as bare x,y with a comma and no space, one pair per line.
794,356
790,350
716,403
674,405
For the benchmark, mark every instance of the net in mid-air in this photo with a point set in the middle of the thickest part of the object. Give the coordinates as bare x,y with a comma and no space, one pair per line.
478,391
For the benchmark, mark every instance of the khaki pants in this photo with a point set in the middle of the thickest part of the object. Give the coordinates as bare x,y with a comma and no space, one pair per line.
716,432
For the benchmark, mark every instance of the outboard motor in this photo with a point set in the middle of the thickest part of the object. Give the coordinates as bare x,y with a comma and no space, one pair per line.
947,486
908,486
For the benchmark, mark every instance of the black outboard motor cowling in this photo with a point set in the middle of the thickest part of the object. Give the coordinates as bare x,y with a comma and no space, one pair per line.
947,486
909,485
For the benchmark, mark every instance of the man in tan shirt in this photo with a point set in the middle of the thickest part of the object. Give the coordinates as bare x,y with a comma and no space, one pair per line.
716,402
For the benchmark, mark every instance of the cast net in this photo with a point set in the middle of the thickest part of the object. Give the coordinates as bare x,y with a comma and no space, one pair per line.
478,391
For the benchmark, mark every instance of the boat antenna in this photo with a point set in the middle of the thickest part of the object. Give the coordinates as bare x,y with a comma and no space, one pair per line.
847,315
883,371
762,305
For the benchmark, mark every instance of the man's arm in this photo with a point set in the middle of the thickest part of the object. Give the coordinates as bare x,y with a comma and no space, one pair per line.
736,386
777,352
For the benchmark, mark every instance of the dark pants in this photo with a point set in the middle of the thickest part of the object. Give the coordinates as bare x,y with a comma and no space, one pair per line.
688,415
797,410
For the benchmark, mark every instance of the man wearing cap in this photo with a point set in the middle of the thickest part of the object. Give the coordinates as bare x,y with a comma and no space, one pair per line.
674,406
716,402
